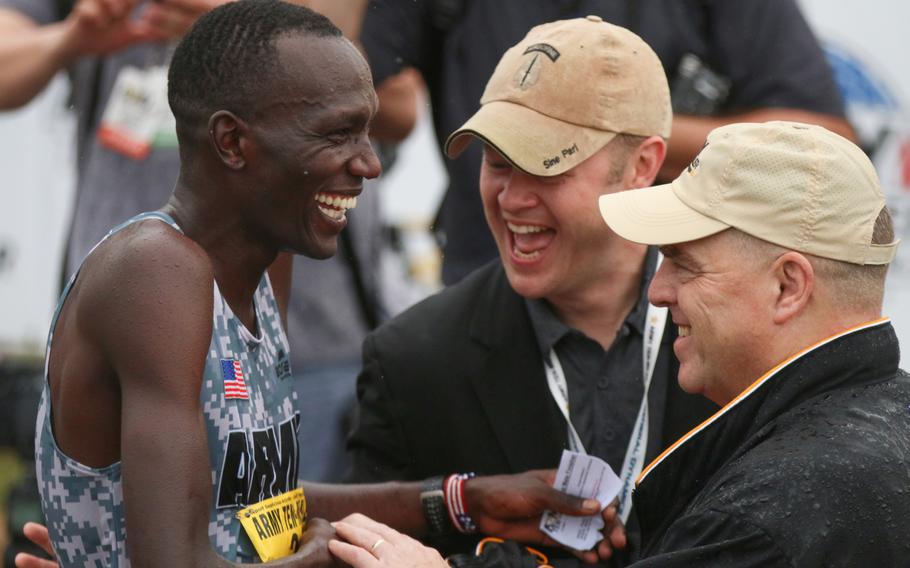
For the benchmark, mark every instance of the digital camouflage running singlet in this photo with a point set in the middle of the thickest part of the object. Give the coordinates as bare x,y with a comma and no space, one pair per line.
249,404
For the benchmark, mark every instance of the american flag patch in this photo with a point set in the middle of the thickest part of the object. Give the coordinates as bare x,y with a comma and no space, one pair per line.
234,385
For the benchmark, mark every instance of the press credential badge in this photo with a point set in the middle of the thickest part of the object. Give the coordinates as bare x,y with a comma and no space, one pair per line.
137,111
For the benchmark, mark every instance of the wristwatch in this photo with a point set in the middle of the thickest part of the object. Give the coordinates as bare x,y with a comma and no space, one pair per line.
432,499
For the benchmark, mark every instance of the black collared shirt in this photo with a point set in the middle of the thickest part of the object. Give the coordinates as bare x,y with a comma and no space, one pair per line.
605,387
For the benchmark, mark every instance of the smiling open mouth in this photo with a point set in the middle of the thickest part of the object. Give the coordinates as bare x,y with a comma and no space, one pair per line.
334,206
528,241
685,330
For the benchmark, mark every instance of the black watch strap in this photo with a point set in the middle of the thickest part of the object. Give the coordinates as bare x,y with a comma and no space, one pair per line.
432,499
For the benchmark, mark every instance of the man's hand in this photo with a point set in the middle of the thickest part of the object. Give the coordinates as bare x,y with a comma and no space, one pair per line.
374,545
172,18
37,534
509,506
99,27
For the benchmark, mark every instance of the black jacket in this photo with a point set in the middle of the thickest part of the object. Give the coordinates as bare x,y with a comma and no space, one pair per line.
810,468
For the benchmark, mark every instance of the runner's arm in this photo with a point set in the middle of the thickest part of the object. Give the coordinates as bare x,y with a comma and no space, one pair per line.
508,506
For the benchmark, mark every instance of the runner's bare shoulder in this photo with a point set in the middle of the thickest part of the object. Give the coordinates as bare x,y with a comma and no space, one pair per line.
146,276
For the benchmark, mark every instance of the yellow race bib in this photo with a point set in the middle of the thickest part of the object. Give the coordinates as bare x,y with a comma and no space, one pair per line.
276,525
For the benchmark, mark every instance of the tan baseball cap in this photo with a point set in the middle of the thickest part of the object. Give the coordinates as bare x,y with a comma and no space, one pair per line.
795,185
564,92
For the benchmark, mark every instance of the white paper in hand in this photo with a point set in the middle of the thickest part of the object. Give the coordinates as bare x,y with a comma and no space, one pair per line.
588,477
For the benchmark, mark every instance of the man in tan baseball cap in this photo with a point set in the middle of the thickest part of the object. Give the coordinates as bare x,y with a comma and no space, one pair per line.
565,92
482,376
777,242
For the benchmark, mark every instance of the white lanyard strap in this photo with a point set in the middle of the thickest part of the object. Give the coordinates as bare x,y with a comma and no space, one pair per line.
638,443
556,380
655,321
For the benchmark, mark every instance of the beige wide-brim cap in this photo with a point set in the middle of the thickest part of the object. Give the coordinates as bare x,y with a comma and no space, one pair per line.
796,185
564,92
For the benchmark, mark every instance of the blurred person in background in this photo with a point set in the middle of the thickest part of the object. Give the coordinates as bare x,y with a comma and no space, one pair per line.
727,61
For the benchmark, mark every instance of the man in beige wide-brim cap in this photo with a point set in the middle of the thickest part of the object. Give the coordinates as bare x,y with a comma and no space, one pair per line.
777,242
544,349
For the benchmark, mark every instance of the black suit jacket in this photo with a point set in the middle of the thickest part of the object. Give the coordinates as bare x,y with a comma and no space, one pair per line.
456,384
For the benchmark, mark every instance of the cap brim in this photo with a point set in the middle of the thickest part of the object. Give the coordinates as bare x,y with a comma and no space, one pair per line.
655,216
531,141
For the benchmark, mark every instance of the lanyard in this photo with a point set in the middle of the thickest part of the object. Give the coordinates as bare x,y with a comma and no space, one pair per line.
655,320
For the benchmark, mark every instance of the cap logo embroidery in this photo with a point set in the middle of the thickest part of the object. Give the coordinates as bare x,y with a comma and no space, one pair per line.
544,48
566,152
529,72
692,168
